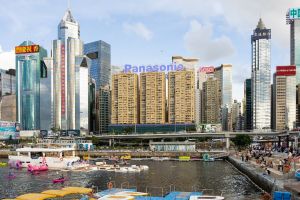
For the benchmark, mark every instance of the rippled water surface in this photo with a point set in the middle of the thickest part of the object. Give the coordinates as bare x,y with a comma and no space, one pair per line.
184,176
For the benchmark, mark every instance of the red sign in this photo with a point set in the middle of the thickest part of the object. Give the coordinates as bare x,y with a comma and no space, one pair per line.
62,80
289,70
207,70
27,49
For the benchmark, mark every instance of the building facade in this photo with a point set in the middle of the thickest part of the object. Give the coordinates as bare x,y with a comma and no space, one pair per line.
248,104
103,109
181,96
285,97
125,99
211,101
152,98
28,75
70,72
8,108
100,71
224,75
261,77
7,82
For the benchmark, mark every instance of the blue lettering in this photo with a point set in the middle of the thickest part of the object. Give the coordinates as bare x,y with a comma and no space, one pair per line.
179,67
141,68
170,67
135,69
127,68
155,68
162,68
149,68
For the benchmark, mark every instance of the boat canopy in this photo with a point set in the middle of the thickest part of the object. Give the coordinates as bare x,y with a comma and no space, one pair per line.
129,193
28,149
35,196
78,190
117,197
58,193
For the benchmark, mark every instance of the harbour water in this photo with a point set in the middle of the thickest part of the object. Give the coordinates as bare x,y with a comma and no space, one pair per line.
159,179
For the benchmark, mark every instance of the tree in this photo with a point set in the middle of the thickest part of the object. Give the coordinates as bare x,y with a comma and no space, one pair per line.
242,141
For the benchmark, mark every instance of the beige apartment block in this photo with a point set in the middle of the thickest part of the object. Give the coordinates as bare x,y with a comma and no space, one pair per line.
181,96
152,98
124,99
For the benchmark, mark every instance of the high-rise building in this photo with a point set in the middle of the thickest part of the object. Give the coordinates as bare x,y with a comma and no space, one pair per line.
236,114
125,99
285,97
224,75
7,82
261,77
70,72
181,96
211,101
248,104
201,77
152,98
103,109
29,68
293,19
100,71
92,106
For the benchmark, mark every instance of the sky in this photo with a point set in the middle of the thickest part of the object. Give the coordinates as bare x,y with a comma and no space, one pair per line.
148,32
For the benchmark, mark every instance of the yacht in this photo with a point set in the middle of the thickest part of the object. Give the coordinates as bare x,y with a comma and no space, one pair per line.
54,158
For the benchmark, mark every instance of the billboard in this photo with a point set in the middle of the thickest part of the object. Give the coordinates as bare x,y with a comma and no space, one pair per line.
294,13
27,49
207,70
9,130
289,70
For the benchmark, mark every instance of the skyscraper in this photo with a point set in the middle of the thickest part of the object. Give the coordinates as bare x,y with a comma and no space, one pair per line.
224,75
70,77
103,109
285,97
211,101
100,71
29,67
248,104
152,98
125,99
7,82
293,19
181,96
261,76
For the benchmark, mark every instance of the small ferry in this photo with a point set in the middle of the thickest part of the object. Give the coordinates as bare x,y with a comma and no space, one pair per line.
54,158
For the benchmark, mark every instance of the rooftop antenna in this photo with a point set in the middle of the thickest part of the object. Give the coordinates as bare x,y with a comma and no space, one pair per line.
69,5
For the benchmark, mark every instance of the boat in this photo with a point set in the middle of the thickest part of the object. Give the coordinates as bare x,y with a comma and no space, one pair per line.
59,180
297,174
126,157
160,158
3,164
33,168
184,158
16,164
207,158
56,158
206,197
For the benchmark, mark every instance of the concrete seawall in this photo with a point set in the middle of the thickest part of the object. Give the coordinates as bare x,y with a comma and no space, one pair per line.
265,182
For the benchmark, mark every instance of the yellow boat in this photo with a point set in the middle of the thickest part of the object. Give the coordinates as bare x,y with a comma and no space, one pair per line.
3,164
184,158
126,157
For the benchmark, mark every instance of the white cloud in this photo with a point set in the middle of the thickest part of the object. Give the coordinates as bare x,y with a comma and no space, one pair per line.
139,29
199,41
7,59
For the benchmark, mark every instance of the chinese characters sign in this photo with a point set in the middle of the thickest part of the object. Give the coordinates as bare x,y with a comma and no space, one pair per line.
294,13
27,49
289,70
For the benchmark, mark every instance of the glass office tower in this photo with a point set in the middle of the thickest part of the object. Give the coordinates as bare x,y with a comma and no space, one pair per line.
28,74
261,77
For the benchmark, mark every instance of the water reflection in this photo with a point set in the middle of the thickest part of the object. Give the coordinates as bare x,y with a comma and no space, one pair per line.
161,177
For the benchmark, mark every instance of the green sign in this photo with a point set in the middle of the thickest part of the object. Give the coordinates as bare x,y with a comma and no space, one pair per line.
294,13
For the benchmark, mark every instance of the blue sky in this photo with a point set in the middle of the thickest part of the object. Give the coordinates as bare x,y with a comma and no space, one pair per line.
151,31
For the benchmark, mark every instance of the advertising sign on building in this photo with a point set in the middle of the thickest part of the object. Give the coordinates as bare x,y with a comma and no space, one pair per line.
207,70
294,13
9,130
289,70
27,49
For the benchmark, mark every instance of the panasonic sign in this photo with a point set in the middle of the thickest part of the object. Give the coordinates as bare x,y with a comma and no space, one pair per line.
152,68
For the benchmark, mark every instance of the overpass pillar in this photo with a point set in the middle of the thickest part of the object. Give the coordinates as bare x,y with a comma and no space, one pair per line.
296,142
287,141
227,137
110,141
279,141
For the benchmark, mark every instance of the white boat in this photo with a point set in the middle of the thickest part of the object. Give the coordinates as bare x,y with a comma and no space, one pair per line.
55,158
206,197
144,167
